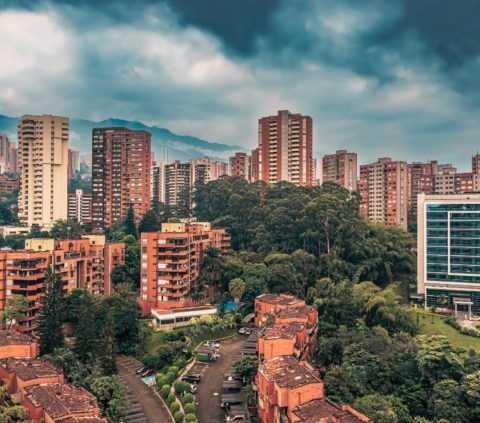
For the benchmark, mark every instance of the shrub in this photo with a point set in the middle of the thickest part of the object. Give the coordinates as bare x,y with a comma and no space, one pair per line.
171,398
181,386
187,399
165,391
470,332
191,418
178,417
174,370
174,407
171,377
163,380
189,408
452,321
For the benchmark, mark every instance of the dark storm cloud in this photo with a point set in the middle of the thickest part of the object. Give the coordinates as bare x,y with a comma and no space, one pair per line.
396,77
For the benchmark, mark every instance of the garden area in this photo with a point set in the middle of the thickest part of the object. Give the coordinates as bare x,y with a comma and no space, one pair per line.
434,324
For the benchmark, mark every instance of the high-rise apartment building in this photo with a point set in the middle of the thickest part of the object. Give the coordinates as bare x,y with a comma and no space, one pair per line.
285,149
420,179
4,153
171,260
476,163
80,206
157,192
43,163
255,165
239,165
13,164
73,163
340,168
178,177
120,174
384,192
448,251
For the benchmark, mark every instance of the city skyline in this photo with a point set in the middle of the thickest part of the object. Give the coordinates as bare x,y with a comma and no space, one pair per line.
412,90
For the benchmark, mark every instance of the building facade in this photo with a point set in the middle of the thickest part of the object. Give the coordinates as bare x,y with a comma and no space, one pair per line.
4,153
171,260
80,207
340,168
120,174
448,255
239,165
157,195
9,184
384,192
82,263
285,149
43,166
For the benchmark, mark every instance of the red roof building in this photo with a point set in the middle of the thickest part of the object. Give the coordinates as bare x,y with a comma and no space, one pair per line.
17,344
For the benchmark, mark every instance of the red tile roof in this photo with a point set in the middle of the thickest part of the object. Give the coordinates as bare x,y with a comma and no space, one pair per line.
282,330
287,372
83,420
11,337
59,400
28,369
298,311
325,411
282,299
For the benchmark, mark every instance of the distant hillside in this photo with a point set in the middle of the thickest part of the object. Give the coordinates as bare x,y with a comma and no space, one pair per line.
181,147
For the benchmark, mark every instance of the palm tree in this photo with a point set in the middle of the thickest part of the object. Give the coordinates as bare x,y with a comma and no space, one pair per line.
236,288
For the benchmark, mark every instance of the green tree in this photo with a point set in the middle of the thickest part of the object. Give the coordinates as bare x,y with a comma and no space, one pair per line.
107,347
236,288
471,393
76,298
85,333
52,313
14,414
112,396
150,222
378,408
246,368
130,227
15,309
212,267
36,232
446,402
66,229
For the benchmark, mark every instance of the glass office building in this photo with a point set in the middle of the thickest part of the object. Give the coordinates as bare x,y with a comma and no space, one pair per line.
449,251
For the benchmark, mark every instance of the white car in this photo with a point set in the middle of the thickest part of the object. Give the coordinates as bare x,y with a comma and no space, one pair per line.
244,331
193,389
212,344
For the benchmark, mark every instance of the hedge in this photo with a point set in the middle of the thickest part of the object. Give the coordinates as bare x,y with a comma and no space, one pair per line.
189,408
174,407
165,391
191,418
171,398
178,417
187,399
180,386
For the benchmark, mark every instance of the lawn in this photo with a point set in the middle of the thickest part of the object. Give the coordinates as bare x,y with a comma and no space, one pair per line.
439,327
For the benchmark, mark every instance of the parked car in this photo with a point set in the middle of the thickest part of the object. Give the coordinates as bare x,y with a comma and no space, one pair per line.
147,372
192,378
212,344
193,389
244,331
140,370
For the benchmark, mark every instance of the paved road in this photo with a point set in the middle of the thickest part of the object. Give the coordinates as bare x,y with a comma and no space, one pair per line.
209,390
150,405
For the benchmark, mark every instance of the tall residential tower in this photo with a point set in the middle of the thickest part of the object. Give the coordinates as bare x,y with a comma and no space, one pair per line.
43,163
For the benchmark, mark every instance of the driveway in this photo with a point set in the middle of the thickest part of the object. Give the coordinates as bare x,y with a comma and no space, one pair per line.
209,390
152,406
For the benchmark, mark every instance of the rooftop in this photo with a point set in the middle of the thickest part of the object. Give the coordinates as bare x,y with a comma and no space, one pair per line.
287,372
282,299
59,400
326,411
298,311
83,420
282,330
11,337
28,369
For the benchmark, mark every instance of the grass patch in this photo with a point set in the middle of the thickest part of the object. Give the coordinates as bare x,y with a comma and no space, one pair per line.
439,327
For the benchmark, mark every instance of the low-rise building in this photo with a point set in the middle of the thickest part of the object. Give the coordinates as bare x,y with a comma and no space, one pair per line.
269,304
9,184
324,410
283,385
80,206
171,261
17,344
55,402
282,339
13,230
19,373
171,317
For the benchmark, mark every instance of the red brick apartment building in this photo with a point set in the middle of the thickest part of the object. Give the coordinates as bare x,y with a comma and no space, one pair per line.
239,165
121,160
39,386
284,149
270,303
17,344
171,261
289,389
83,263
9,184
340,168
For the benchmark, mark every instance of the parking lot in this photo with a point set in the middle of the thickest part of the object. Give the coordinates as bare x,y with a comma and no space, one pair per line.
210,389
146,406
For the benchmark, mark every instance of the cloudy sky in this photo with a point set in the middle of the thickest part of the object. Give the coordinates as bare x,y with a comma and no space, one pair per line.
379,77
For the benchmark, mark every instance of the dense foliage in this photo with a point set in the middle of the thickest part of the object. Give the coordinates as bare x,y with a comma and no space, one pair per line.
323,222
370,356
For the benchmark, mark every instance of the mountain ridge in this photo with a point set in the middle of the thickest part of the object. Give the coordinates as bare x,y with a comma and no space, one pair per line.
179,147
